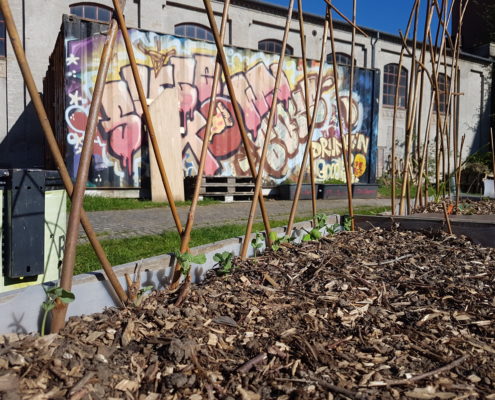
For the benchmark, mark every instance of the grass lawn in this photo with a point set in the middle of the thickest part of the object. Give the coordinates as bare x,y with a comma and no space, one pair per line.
94,203
121,251
385,190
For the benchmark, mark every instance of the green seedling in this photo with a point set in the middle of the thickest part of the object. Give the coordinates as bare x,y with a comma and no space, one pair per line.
141,294
52,295
320,221
257,242
347,223
314,234
333,229
277,241
224,260
186,259
319,224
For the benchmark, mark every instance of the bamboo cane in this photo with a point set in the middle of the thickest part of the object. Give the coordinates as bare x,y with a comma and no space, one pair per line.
271,120
411,107
446,216
311,128
60,311
146,114
339,117
186,237
332,6
53,146
492,143
459,171
302,37
351,87
396,105
237,110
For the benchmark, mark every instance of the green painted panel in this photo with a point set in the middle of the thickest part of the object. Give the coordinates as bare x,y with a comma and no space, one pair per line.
55,230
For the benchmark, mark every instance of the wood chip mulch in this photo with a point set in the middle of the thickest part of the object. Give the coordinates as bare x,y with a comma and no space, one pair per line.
466,207
361,315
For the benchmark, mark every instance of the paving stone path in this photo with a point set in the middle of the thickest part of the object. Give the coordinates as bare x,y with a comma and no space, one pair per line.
152,221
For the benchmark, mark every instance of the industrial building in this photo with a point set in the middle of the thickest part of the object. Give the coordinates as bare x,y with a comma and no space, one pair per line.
254,32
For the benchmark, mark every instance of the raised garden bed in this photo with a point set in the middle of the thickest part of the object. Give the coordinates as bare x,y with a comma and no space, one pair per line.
378,314
364,190
332,191
466,207
287,191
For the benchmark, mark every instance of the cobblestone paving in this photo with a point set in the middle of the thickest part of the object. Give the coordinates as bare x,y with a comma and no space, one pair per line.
152,221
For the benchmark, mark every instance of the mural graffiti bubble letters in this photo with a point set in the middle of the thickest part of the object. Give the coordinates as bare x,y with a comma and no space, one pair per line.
187,66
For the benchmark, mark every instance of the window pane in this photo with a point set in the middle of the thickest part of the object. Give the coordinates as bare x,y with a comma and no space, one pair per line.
190,31
77,10
104,15
180,30
90,12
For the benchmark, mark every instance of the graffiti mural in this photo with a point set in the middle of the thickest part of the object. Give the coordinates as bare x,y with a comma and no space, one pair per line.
165,61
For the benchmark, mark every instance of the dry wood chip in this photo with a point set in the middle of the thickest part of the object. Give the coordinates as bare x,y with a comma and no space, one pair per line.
415,322
127,385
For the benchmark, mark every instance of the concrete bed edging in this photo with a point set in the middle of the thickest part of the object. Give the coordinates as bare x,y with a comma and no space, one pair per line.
20,310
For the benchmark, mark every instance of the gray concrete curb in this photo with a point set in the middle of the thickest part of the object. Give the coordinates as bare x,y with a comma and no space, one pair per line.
20,310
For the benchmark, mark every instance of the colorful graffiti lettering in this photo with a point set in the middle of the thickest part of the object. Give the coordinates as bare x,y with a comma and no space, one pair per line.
165,61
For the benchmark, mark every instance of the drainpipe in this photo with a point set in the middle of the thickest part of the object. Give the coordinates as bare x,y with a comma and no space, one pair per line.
373,49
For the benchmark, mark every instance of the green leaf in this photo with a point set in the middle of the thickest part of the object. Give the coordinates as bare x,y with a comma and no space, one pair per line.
315,233
273,236
66,296
306,238
198,259
47,306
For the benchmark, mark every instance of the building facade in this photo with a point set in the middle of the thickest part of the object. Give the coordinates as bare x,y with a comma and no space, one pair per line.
252,25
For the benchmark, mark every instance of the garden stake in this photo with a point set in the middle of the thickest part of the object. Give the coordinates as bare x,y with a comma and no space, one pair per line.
446,216
53,146
186,237
266,143
492,143
411,108
351,88
302,36
311,128
424,156
332,6
146,114
459,171
339,117
396,105
237,110
421,96
60,310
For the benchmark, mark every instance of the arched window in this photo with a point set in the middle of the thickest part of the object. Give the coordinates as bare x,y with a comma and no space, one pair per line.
274,46
3,44
92,11
390,74
342,59
194,31
443,91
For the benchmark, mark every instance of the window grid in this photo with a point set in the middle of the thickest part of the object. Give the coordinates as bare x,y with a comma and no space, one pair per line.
390,74
3,36
92,11
443,90
274,46
342,59
194,31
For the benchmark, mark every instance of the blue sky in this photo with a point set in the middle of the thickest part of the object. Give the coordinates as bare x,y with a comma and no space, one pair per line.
383,15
